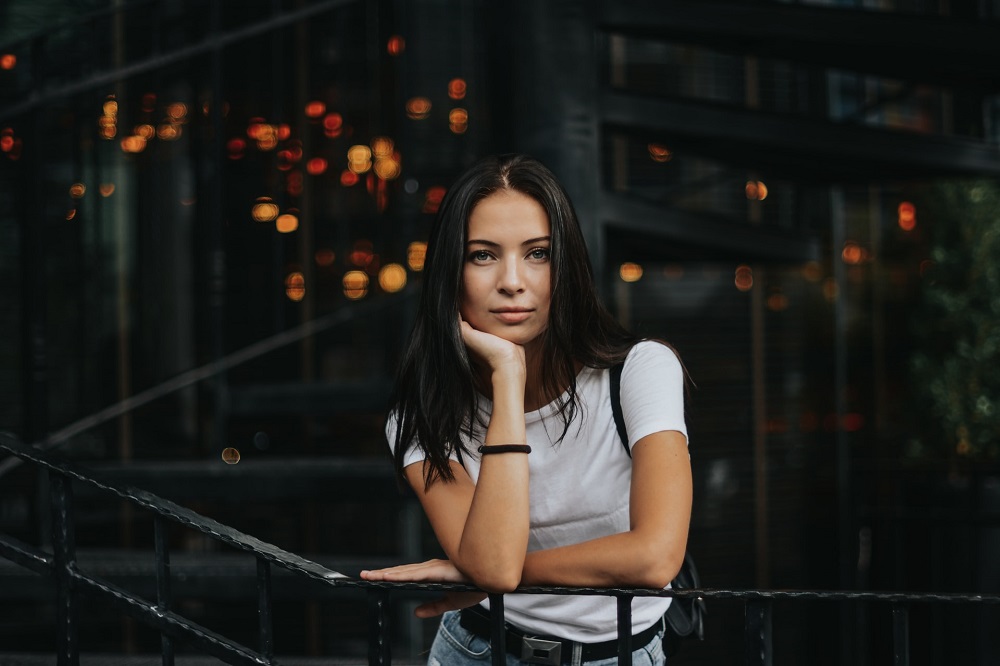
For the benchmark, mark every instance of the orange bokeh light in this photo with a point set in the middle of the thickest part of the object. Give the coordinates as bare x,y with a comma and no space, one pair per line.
382,146
777,302
283,131
359,159
315,109
756,189
432,200
316,166
744,278
387,168
177,111
457,88
362,254
458,120
255,127
8,61
630,272
852,253
333,125
659,153
295,286
416,253
348,178
392,278
355,284
907,216
236,147
286,223
168,131
418,108
396,45
265,210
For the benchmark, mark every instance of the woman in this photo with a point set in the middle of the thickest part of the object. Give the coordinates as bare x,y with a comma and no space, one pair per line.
510,352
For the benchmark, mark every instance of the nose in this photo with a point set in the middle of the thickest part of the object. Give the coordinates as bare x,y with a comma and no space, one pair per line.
511,278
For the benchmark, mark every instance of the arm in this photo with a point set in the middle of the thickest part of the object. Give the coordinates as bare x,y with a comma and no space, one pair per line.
482,526
651,552
648,555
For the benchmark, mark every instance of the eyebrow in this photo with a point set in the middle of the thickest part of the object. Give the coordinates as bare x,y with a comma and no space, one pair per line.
530,241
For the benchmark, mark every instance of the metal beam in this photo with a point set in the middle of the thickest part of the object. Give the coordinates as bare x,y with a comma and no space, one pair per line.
920,48
640,224
801,148
40,98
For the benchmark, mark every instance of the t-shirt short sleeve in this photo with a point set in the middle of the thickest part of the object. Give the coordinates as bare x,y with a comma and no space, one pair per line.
652,391
414,453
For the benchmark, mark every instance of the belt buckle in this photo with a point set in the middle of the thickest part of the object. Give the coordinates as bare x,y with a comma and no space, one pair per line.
538,651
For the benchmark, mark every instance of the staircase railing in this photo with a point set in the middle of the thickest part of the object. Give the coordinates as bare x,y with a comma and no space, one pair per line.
70,581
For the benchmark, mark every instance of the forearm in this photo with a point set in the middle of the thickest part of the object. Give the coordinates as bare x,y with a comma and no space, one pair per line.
495,535
627,559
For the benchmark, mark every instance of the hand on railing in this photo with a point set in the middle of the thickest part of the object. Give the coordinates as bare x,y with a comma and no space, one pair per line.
436,571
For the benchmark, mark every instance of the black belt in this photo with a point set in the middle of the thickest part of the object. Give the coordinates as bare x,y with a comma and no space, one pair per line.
547,649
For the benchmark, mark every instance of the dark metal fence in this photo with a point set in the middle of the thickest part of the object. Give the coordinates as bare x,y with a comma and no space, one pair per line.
61,566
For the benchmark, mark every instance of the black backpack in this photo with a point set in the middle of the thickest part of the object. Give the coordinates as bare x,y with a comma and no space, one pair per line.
684,617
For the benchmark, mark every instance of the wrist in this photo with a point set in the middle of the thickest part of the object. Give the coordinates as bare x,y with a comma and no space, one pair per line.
509,372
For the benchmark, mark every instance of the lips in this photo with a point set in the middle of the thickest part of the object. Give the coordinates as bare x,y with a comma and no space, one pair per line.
512,315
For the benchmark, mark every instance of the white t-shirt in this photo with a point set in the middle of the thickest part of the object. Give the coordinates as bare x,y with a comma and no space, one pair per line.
579,487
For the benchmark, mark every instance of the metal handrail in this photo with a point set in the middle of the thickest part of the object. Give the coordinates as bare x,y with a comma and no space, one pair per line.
70,580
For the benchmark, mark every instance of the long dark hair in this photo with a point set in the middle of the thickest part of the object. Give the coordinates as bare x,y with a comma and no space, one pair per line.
435,398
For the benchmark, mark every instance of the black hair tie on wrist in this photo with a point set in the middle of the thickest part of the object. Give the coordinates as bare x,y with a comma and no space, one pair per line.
505,448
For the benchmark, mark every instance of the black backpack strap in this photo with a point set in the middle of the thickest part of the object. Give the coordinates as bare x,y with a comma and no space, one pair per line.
615,374
684,617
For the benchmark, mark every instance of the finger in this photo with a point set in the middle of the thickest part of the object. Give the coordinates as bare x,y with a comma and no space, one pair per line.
406,573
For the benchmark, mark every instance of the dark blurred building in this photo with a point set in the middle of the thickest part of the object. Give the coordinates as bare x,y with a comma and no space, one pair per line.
184,182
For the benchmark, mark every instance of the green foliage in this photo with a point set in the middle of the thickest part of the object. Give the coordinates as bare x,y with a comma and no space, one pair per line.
956,363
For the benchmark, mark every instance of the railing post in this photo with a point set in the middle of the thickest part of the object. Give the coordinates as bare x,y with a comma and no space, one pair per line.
498,647
64,555
900,635
758,632
625,629
379,653
264,608
163,595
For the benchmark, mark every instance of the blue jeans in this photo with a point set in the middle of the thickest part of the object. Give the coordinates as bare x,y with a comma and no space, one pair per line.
454,645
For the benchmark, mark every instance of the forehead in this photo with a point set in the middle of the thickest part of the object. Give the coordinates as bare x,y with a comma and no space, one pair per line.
508,211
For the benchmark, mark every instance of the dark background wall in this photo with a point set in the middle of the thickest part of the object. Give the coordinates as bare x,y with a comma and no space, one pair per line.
798,196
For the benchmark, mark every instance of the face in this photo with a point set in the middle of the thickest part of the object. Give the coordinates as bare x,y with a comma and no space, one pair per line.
506,278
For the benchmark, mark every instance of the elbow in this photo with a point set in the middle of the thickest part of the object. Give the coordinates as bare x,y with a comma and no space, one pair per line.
658,567
498,580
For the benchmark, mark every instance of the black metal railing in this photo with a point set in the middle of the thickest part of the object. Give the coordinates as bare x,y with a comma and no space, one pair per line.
70,581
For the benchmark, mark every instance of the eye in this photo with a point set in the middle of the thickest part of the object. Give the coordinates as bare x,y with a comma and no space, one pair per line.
479,256
539,253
